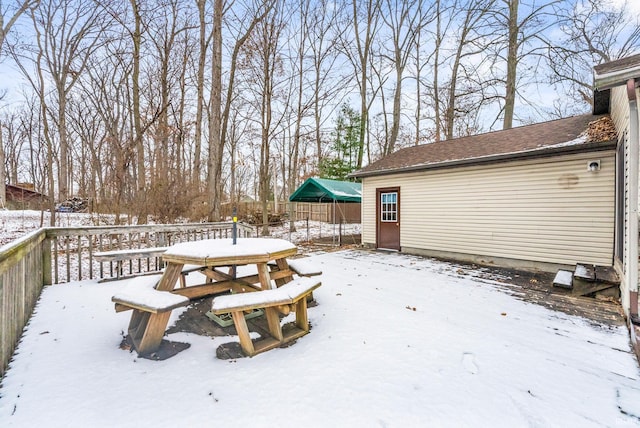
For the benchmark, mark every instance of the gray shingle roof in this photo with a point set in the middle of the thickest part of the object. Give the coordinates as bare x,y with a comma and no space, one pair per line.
542,139
618,65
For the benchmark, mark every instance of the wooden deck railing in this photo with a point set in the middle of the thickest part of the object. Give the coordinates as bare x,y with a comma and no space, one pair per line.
55,255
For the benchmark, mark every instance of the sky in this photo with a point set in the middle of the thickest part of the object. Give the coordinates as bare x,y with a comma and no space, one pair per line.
395,341
13,82
632,5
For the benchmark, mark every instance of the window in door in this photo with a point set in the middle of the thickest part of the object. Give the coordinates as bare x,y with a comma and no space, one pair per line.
389,207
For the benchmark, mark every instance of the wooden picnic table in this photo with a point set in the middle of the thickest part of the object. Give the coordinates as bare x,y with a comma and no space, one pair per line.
218,259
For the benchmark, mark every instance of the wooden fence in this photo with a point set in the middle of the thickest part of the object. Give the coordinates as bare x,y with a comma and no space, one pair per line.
55,255
340,212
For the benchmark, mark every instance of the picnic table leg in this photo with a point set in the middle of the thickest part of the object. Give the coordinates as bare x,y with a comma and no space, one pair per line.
263,275
273,320
147,329
243,333
302,321
171,274
283,265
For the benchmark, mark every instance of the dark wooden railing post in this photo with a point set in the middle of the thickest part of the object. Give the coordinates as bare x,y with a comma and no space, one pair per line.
47,279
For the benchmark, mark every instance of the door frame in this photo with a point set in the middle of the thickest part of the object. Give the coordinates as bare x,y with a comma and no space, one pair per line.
379,191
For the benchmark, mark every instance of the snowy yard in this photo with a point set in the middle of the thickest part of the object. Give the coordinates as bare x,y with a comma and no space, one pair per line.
396,341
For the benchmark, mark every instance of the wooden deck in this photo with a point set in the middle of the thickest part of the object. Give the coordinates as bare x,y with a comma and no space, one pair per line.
538,288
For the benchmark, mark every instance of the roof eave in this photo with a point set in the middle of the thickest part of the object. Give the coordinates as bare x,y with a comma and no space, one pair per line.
542,153
615,78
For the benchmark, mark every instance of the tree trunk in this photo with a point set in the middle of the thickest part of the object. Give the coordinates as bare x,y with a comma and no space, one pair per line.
512,64
216,141
63,166
436,68
137,120
202,58
3,189
4,29
451,100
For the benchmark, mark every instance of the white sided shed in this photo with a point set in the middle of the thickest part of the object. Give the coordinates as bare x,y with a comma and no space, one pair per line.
618,84
537,196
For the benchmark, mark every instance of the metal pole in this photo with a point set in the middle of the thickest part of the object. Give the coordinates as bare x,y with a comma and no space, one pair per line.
234,233
334,223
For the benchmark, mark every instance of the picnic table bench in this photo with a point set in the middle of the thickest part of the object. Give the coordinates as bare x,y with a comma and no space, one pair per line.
152,309
120,256
290,296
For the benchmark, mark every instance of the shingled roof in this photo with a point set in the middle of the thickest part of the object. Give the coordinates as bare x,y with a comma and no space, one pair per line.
570,135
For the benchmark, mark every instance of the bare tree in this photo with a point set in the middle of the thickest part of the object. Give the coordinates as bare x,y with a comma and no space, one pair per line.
219,115
321,27
420,62
106,90
68,34
8,17
356,45
404,20
593,32
203,43
263,65
469,43
216,140
521,37
313,83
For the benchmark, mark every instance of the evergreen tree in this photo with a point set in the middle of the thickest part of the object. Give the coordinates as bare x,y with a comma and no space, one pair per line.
344,156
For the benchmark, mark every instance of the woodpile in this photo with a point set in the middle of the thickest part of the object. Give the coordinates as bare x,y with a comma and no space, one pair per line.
602,129
255,218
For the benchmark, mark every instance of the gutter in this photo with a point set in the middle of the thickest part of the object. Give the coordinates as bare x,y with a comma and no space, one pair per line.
615,77
634,155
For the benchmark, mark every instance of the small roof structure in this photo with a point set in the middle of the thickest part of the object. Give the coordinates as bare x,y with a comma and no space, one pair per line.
562,136
20,197
324,190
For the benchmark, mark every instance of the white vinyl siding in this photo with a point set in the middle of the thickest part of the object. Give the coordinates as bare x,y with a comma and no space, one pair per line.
369,208
544,210
620,108
620,115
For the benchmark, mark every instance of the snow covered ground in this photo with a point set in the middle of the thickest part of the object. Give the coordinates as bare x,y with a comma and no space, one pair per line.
396,341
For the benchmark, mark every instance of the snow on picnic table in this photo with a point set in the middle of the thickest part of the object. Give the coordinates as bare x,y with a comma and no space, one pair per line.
396,341
224,248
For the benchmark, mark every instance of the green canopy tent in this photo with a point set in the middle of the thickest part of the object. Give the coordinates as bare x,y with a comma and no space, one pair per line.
322,190
325,190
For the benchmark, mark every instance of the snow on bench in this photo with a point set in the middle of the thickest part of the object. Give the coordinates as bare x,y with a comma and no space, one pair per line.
304,267
301,267
293,293
140,294
287,294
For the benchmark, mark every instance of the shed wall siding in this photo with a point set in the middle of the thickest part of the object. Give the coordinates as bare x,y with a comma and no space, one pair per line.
619,108
620,116
546,210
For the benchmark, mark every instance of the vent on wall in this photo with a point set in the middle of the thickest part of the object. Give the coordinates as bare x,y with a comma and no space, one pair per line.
593,165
